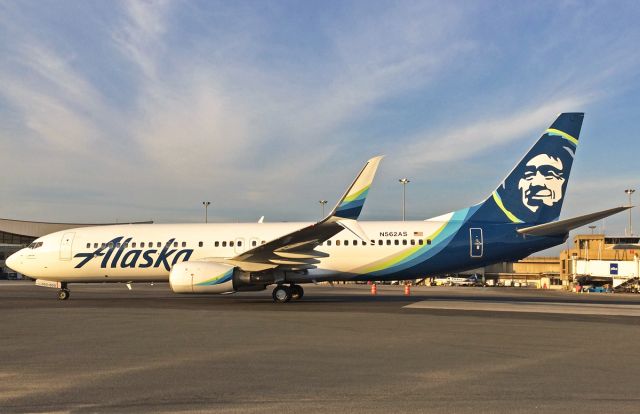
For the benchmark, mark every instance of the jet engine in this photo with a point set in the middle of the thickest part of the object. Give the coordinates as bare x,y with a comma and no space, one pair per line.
212,277
202,277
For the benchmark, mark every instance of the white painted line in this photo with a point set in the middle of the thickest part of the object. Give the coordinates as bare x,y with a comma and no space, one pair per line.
530,307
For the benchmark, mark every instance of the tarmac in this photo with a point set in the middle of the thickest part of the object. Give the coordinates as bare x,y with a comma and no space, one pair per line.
339,349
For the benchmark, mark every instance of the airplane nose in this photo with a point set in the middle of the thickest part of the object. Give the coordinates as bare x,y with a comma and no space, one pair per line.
13,261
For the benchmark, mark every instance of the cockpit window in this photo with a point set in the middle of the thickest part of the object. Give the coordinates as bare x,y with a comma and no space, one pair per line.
35,245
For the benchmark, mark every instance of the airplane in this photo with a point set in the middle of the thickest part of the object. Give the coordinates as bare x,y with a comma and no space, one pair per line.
472,280
520,217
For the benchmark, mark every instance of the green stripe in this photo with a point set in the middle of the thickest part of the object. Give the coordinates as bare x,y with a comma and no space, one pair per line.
553,131
352,197
509,214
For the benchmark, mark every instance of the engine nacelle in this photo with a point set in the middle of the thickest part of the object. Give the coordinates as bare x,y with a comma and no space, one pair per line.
202,277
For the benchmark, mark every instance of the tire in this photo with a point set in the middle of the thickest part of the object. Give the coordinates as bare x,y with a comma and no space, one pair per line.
63,294
281,294
297,292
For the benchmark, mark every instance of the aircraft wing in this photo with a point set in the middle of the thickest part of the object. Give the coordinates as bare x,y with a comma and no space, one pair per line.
296,250
564,226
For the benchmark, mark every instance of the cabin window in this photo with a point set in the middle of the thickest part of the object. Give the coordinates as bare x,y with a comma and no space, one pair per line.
199,244
118,244
230,244
133,245
328,242
355,242
88,245
141,244
346,242
428,241
175,244
420,242
254,243
337,242
388,242
184,244
380,242
224,244
404,242
413,242
126,245
239,243
111,245
95,245
396,242
216,244
262,242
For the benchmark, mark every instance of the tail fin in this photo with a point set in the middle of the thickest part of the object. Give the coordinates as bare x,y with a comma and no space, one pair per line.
534,190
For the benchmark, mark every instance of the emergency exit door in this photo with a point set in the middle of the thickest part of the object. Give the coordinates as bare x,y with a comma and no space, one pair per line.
475,240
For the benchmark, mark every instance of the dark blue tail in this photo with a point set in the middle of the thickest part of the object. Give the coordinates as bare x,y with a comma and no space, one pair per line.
534,190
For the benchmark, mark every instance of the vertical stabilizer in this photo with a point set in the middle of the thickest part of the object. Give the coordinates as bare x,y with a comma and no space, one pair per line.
535,189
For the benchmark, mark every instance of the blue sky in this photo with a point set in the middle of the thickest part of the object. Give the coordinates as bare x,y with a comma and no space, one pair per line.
142,110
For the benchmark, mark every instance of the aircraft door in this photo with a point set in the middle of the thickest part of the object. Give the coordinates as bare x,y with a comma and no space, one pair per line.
475,240
65,246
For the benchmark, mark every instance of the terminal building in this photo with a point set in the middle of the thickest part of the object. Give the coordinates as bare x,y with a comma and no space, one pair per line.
16,234
593,260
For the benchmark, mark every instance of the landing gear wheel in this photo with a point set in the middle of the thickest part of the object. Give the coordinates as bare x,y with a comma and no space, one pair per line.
63,294
296,292
281,294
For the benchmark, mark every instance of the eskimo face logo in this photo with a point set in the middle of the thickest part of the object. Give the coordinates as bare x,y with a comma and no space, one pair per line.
542,182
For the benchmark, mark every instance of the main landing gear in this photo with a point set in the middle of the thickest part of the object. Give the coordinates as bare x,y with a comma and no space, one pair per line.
282,293
63,293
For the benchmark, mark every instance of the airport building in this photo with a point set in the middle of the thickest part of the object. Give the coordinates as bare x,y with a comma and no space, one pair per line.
16,234
593,260
596,259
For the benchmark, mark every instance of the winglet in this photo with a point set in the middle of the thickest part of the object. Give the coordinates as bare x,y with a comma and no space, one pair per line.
351,203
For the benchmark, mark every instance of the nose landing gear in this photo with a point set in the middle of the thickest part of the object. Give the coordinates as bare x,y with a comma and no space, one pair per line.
63,293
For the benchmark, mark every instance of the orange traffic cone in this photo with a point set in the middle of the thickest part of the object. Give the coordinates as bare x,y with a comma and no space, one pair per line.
374,289
407,290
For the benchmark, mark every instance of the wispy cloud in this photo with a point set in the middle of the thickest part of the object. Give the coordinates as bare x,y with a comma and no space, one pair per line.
461,142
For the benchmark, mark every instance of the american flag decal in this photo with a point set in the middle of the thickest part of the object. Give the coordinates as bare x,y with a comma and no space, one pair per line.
417,233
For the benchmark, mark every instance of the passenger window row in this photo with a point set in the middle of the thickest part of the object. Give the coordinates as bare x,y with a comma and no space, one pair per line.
387,242
237,243
254,243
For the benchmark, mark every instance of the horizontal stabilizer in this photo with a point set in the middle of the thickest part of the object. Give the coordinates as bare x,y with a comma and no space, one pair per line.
565,226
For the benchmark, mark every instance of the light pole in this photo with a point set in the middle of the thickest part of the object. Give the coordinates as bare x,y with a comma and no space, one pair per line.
322,203
404,182
630,191
206,210
592,227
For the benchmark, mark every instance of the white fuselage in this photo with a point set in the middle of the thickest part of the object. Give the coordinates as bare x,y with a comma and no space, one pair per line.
146,252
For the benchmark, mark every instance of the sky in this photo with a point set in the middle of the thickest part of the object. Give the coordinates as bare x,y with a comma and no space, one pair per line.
142,110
